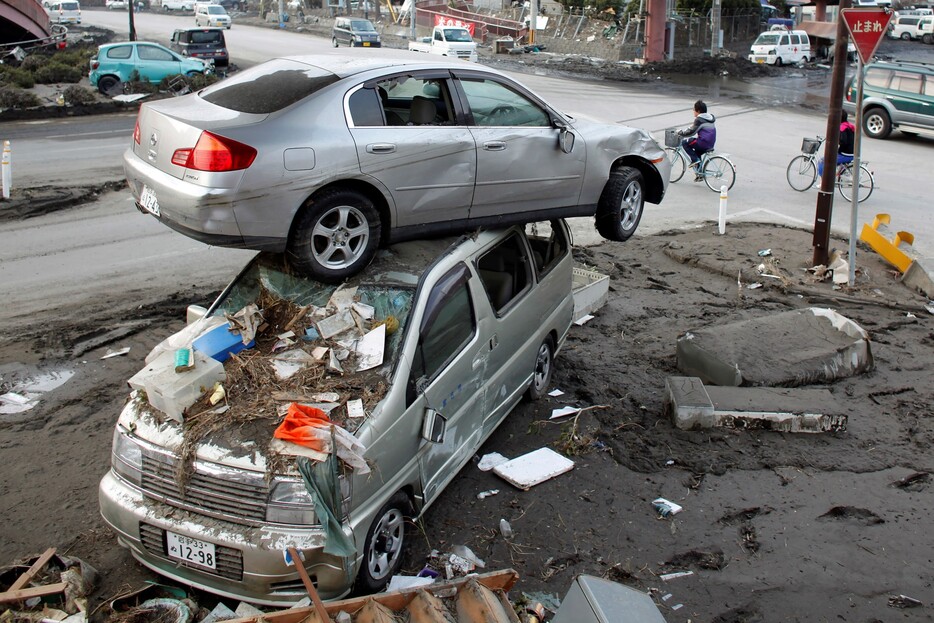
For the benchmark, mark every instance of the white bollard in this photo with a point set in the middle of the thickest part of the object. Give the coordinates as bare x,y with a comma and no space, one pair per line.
722,219
6,169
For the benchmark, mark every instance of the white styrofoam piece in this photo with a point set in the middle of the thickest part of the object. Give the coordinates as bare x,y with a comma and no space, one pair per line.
563,411
336,324
533,468
370,348
355,408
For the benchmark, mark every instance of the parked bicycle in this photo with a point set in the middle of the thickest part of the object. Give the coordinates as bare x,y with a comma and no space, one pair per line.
802,172
716,169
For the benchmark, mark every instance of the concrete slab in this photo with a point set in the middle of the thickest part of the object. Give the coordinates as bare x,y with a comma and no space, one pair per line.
692,405
920,276
800,347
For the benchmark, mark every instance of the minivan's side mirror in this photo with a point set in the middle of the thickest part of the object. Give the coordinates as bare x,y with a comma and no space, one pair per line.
565,136
194,313
433,426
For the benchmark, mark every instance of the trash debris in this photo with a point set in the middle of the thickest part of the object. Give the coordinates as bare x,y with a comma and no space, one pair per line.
218,394
488,493
116,353
406,582
665,507
491,460
667,577
557,392
563,412
505,529
355,408
533,468
462,551
184,360
904,601
765,252
583,320
754,286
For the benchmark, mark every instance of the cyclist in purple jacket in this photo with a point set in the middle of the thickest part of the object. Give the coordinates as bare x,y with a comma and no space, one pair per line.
701,136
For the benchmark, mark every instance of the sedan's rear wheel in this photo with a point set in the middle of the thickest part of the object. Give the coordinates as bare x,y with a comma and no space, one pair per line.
620,207
336,234
107,83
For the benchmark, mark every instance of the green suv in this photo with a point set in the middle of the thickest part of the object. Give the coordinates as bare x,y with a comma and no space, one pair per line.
896,94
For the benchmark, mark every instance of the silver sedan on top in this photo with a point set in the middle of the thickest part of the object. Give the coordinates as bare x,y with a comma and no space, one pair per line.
326,158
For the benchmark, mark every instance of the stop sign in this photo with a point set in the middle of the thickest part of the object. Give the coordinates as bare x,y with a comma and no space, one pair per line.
867,27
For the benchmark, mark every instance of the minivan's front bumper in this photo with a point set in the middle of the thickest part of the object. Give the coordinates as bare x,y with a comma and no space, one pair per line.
253,556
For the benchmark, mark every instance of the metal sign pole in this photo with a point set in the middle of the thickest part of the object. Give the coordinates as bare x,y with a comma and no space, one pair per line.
854,209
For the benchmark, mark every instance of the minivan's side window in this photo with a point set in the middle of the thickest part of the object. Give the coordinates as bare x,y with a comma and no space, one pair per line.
929,86
878,77
549,244
505,272
795,40
907,82
495,104
448,326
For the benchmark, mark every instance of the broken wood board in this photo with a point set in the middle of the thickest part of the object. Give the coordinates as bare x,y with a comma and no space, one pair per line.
533,468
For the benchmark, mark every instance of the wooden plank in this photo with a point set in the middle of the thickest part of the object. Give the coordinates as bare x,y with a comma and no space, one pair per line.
395,601
36,591
312,592
30,573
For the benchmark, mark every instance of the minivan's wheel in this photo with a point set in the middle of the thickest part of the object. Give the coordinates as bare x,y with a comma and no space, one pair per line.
106,84
927,38
906,36
334,41
544,365
876,122
382,549
335,235
620,207
778,61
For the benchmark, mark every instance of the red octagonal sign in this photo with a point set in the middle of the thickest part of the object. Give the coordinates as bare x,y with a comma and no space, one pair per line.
867,27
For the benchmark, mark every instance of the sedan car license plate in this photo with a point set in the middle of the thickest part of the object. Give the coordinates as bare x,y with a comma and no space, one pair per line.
148,200
191,550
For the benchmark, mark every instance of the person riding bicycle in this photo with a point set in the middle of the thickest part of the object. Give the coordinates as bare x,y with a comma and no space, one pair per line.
704,135
845,148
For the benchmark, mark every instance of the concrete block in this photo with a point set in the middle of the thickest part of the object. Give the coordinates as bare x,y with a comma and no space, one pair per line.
800,347
692,405
920,276
687,402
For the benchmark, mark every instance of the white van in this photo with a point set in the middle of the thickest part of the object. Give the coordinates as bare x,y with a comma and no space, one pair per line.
904,27
781,47
64,12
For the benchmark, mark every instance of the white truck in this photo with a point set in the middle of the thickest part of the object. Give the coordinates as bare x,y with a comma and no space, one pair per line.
448,41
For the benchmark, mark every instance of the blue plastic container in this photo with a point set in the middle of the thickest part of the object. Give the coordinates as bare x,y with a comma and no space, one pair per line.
220,343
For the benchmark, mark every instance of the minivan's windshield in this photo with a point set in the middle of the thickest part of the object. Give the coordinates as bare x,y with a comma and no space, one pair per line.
767,38
362,25
275,289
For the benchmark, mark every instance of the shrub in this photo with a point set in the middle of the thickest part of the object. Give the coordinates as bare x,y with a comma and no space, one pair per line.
17,76
53,72
17,98
79,96
194,82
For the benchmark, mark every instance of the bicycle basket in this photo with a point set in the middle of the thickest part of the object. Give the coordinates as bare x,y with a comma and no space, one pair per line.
809,146
672,139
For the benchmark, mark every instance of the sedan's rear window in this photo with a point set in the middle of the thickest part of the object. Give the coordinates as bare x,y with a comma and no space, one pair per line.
269,87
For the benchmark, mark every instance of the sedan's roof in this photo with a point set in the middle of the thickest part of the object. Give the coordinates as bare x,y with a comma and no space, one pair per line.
350,62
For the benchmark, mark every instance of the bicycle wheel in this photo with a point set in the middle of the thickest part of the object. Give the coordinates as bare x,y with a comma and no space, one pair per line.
718,171
845,183
801,173
678,163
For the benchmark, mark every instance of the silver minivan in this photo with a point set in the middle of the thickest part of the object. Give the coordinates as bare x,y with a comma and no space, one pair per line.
471,326
64,12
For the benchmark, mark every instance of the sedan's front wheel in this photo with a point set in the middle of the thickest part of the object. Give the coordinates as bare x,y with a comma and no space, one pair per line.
620,208
335,235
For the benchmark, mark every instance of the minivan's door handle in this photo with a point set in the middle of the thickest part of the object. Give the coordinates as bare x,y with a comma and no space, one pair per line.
380,148
494,341
494,146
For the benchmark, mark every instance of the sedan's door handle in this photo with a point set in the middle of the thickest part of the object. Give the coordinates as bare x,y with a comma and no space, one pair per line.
380,148
494,146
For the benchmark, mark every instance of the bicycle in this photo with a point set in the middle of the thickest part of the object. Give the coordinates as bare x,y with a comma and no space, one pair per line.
802,172
716,169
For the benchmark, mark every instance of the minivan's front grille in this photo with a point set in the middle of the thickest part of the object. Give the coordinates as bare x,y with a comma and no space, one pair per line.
234,495
229,561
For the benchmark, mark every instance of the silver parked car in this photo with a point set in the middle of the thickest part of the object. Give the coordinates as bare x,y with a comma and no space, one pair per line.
329,157
477,324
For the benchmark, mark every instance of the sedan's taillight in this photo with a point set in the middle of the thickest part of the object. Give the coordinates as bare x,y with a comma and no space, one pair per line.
95,64
215,153
136,131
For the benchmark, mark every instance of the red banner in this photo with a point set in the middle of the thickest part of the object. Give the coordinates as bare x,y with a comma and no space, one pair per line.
447,20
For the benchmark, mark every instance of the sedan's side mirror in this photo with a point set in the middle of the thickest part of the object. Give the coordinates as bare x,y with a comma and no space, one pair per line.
565,136
433,426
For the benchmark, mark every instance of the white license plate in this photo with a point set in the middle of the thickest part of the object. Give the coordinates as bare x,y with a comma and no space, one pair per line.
191,550
148,200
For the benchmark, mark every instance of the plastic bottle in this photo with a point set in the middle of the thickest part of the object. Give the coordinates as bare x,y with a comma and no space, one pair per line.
505,529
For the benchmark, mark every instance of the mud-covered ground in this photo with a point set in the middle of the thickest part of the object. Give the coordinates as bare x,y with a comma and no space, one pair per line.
775,526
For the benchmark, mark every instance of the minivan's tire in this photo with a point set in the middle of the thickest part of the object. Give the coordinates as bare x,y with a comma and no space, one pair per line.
544,367
876,123
334,41
335,235
778,61
382,549
906,36
620,207
927,38
106,84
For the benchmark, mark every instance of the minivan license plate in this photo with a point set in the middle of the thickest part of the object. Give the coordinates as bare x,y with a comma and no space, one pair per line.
191,550
148,200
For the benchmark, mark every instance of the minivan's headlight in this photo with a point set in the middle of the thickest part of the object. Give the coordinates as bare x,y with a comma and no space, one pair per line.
290,503
127,457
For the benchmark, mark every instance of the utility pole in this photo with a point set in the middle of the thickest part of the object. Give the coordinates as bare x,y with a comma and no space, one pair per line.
533,19
132,13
